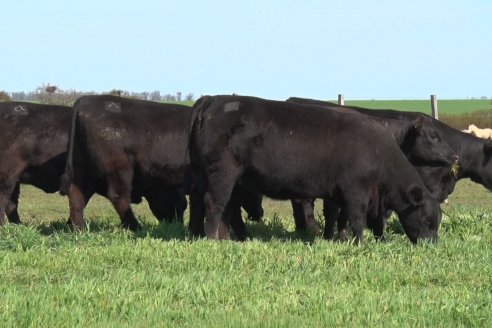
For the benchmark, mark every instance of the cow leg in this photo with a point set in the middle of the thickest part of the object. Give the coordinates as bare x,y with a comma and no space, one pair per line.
197,213
197,204
162,206
378,225
251,202
214,226
223,174
303,210
308,209
119,193
180,203
330,212
78,197
299,217
8,182
342,223
13,204
167,206
356,210
232,215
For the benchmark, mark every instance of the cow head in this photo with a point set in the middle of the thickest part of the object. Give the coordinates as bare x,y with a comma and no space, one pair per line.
422,217
423,145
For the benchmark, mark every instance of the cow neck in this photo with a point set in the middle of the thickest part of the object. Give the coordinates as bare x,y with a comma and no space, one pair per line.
397,128
402,177
470,149
474,164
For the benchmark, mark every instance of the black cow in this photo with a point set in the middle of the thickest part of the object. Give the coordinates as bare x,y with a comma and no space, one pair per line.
419,141
422,146
345,159
126,149
474,153
33,145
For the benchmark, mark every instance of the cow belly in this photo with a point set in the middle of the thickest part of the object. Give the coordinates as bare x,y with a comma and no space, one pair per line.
278,187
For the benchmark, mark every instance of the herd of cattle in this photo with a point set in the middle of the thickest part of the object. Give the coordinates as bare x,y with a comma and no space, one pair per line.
228,151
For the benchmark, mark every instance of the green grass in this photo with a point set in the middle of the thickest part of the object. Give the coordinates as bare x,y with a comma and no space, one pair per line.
52,276
184,102
445,106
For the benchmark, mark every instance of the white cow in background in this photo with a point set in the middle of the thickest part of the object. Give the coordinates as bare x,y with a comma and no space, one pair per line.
477,132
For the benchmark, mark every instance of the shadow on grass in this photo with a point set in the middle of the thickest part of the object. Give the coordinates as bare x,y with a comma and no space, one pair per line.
164,231
56,227
265,230
260,231
274,230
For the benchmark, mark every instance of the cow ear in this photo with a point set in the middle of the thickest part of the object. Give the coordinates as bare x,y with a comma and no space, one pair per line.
487,147
415,195
418,123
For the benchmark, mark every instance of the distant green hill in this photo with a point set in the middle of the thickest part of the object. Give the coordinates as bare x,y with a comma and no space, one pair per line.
445,106
186,103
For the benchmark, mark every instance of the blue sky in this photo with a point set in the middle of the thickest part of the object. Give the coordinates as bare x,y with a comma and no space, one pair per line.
273,49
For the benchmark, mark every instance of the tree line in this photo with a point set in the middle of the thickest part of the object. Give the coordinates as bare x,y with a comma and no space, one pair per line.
52,94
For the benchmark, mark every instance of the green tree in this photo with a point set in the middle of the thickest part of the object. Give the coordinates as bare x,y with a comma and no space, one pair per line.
4,96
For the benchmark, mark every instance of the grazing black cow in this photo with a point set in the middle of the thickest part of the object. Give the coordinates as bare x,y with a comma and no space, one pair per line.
422,146
35,142
419,141
474,153
475,156
33,145
346,159
126,149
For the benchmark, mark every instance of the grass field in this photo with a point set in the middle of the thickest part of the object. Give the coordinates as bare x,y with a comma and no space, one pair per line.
52,276
186,103
445,106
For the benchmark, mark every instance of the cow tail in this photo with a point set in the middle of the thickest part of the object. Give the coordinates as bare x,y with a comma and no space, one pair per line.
67,176
195,121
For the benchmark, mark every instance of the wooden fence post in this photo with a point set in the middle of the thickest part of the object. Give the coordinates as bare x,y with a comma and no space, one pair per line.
435,113
341,100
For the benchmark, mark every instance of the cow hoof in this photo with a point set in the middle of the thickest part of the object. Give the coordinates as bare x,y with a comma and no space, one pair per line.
132,226
329,235
77,228
197,233
380,238
314,229
343,236
245,237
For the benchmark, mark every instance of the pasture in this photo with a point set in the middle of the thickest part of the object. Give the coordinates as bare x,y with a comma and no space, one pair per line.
445,106
107,276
